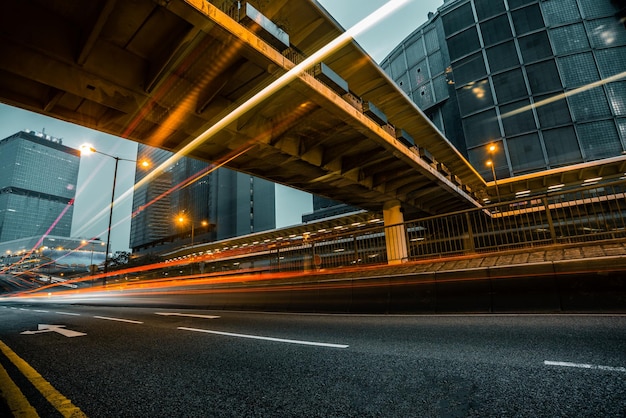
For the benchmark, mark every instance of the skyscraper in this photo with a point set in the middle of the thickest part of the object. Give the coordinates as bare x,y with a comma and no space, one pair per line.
212,203
38,177
542,80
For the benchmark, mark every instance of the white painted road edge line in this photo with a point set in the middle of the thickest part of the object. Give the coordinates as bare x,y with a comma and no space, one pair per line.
584,366
256,337
68,313
119,319
187,315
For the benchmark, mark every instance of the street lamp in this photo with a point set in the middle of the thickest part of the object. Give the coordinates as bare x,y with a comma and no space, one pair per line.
491,163
88,149
182,219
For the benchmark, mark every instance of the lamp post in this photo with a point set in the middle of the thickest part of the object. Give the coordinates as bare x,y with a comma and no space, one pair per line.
87,149
491,163
182,219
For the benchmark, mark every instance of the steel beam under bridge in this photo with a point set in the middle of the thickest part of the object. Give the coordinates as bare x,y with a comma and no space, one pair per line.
162,73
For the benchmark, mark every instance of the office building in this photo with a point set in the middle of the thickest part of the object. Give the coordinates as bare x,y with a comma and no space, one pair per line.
542,80
38,176
192,200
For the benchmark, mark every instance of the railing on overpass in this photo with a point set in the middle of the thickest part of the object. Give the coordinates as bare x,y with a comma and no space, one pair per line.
591,213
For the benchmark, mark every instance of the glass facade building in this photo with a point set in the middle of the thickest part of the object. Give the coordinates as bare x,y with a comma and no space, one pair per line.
542,80
38,176
229,203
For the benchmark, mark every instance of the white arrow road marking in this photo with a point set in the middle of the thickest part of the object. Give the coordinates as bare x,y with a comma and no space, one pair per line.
131,321
55,328
257,337
188,315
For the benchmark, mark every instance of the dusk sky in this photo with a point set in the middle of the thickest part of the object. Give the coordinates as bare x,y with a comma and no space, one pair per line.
96,171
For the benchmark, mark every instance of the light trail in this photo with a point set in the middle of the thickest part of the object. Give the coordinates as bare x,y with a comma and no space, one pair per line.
366,23
561,96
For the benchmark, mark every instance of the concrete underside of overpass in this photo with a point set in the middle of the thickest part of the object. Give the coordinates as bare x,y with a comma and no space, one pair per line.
185,75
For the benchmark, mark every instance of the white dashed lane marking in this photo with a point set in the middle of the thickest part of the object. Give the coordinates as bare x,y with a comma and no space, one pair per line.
584,366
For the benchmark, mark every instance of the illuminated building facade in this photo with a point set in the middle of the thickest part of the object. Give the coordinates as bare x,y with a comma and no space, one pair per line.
539,79
38,176
221,203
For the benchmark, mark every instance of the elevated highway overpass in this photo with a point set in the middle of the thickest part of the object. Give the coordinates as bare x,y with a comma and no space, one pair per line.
167,72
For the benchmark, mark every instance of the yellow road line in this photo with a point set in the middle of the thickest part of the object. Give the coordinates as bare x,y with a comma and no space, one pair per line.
18,404
56,399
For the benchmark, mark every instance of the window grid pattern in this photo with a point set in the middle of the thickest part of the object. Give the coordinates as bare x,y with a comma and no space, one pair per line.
559,12
599,139
458,19
475,97
502,57
543,77
597,8
552,113
606,32
527,20
469,69
562,146
611,61
525,153
589,105
496,30
415,52
621,126
440,85
517,123
535,47
616,93
578,70
509,86
488,8
432,42
435,61
481,128
568,39
463,43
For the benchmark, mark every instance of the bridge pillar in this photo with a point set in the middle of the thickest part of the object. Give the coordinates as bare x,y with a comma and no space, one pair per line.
395,233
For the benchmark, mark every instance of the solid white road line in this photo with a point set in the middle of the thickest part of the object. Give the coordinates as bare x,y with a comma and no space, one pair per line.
256,337
68,313
131,321
187,315
584,366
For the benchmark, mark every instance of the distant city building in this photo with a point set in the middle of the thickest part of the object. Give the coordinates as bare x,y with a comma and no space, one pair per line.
525,75
38,176
220,203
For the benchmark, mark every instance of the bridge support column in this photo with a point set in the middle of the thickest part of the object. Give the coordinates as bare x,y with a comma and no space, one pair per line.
395,233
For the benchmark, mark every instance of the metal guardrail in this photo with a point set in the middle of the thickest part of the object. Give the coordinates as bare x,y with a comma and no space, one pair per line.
581,215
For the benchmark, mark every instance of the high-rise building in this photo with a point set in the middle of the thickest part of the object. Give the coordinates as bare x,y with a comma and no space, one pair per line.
38,176
219,203
542,80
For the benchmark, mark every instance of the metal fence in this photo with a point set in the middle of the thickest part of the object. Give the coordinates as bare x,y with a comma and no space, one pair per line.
586,214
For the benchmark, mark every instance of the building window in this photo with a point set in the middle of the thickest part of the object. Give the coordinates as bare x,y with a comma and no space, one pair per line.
496,30
543,77
515,123
617,97
474,97
589,104
525,153
595,8
552,113
415,52
514,4
458,19
488,8
606,32
502,57
562,146
611,61
464,43
509,86
431,40
578,70
559,12
535,47
599,139
468,69
568,39
527,20
481,129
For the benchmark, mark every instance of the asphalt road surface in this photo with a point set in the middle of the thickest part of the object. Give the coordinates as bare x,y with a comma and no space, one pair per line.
151,362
